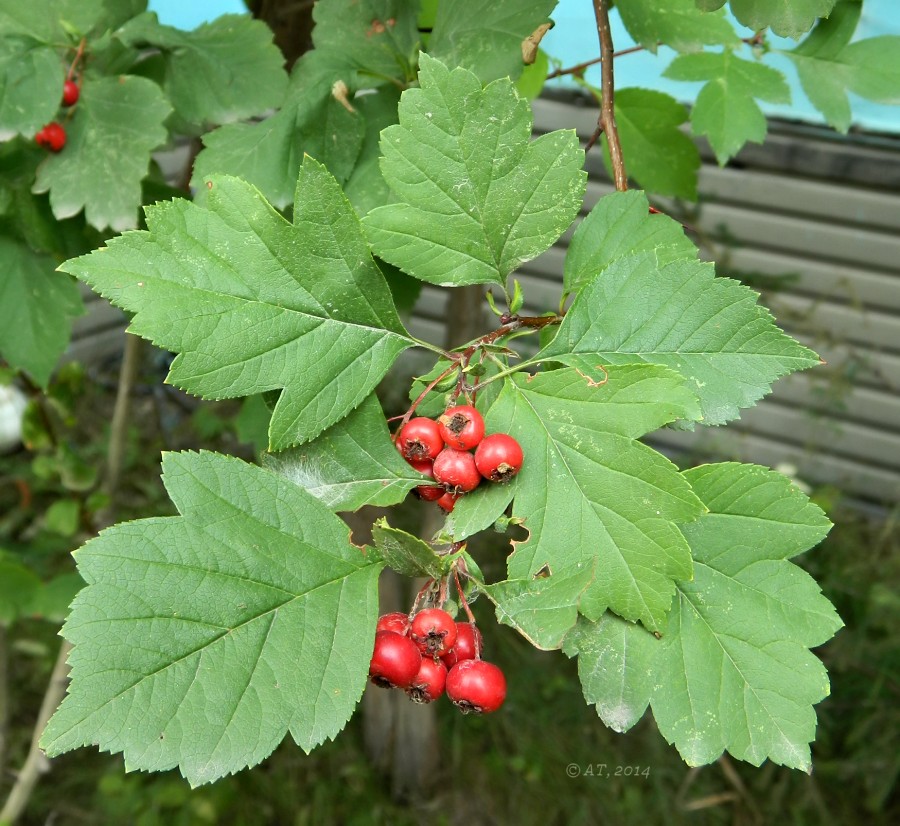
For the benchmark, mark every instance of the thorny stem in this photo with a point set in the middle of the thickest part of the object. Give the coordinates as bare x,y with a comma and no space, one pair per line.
606,123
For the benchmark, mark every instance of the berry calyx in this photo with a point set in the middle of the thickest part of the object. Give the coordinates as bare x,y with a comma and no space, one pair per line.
498,457
434,631
396,621
456,470
419,439
468,645
461,427
476,687
71,91
448,501
52,137
429,683
395,660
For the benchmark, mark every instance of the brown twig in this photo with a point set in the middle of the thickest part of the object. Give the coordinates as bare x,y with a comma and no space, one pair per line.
579,68
606,123
36,763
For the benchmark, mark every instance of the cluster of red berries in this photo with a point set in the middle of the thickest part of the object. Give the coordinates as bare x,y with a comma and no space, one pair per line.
53,135
441,449
433,654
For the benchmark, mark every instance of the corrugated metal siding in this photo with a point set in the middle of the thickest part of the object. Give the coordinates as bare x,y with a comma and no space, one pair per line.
810,211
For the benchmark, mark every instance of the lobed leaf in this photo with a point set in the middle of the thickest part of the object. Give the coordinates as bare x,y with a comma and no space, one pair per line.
734,672
786,19
253,303
677,23
117,122
588,491
477,197
31,81
202,639
726,110
269,154
616,667
660,157
541,609
221,71
710,330
620,225
486,38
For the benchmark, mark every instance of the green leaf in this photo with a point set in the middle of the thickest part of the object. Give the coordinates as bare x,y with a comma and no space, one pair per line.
31,81
486,38
18,587
587,490
726,110
711,330
828,67
405,553
353,463
52,600
543,610
269,154
221,71
786,19
374,40
677,23
478,510
477,196
202,639
63,517
37,305
734,672
366,187
616,663
619,225
117,122
660,157
873,68
61,21
253,303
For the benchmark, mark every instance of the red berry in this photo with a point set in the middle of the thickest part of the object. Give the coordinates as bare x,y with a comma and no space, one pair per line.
461,427
465,646
430,493
395,660
456,470
420,438
52,137
476,687
434,631
396,621
71,91
429,683
448,501
498,457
